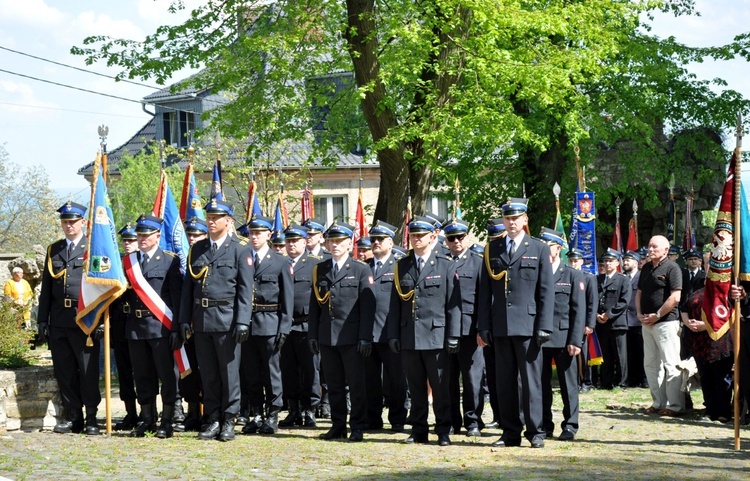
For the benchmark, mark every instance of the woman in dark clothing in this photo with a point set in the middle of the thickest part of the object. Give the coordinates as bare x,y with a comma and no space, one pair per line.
714,360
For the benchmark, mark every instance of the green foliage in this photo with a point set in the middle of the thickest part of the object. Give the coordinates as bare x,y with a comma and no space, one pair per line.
14,339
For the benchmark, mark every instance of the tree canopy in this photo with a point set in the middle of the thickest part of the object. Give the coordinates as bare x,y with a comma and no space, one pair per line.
494,92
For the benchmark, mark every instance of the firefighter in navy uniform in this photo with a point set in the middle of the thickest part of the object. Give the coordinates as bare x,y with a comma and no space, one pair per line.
217,297
424,325
273,305
468,363
566,340
151,341
300,368
342,310
76,364
575,260
385,371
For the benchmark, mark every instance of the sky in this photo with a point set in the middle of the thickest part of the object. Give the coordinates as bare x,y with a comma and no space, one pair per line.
56,127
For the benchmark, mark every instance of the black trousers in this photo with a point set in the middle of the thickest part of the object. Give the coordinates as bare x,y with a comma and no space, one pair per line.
585,371
153,362
636,374
716,384
386,385
519,356
467,367
219,360
260,372
300,371
124,366
490,378
76,368
431,365
614,371
567,375
343,366
190,385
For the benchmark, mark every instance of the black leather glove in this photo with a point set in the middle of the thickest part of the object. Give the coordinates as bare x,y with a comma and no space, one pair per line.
186,331
313,345
486,337
240,333
453,345
98,333
279,341
364,348
175,341
395,345
43,332
542,337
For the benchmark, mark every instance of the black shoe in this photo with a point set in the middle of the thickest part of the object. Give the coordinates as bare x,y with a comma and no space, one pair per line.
127,423
325,411
253,425
165,431
537,442
191,423
142,428
444,440
211,431
504,442
294,418
416,439
474,433
334,433
270,424
178,414
356,435
227,431
492,425
241,420
397,428
549,433
92,428
63,427
308,419
567,435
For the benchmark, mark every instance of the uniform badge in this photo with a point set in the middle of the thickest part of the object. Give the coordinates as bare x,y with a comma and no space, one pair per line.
581,286
371,280
291,270
250,261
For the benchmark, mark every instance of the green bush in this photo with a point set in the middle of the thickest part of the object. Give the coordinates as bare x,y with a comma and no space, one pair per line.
14,347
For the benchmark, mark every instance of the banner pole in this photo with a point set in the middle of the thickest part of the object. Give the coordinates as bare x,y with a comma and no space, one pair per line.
737,317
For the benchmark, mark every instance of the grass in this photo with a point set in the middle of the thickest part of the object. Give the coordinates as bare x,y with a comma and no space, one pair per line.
615,442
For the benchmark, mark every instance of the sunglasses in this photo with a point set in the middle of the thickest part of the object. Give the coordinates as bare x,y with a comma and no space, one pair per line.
454,238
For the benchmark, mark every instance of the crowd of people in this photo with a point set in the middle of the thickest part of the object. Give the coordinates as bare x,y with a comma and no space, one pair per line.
300,323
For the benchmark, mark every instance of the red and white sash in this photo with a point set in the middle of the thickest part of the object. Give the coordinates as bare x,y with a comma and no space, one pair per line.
155,304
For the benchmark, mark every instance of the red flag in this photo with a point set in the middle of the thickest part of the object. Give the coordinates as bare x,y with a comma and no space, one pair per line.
284,212
407,219
360,229
632,235
688,238
159,203
617,238
716,310
307,204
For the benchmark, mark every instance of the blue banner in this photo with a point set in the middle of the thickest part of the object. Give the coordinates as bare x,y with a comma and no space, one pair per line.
278,220
216,190
173,237
193,206
583,230
745,230
670,223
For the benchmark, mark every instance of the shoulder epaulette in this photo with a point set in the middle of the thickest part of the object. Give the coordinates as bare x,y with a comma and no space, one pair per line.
314,256
242,240
170,253
359,261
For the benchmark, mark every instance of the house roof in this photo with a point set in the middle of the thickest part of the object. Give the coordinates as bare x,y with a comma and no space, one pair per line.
166,94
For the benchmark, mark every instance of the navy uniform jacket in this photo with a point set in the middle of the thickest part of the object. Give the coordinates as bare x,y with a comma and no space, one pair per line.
382,289
303,272
632,313
570,308
614,296
347,316
592,298
52,308
226,277
163,274
433,314
527,304
273,286
469,268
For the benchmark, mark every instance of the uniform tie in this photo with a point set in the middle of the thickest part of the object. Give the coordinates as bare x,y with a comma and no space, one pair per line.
420,265
512,248
335,270
71,247
692,275
256,260
144,261
213,248
378,265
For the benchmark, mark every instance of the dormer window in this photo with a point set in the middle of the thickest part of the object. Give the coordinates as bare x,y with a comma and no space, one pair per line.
177,124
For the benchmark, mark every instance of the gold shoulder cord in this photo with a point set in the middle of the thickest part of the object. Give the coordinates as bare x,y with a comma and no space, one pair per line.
493,276
397,281
49,266
190,267
324,299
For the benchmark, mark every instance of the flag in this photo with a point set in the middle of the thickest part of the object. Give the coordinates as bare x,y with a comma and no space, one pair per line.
561,228
716,310
216,190
457,207
632,235
583,229
190,202
671,221
307,204
173,237
278,219
253,207
281,204
688,237
616,237
595,350
103,277
407,219
360,228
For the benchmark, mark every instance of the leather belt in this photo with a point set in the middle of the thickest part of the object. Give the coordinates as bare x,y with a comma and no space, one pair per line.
265,307
141,313
70,303
204,302
299,320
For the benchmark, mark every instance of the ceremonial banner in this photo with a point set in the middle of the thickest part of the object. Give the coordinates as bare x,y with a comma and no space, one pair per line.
216,189
307,205
595,350
583,230
253,207
360,229
278,221
671,221
173,237
717,308
103,277
688,237
617,237
561,228
632,236
190,202
407,219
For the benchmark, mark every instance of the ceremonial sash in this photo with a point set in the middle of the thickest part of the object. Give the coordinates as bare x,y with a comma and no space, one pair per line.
155,304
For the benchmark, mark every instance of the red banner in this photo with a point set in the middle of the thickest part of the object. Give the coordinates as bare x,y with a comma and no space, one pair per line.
632,236
360,229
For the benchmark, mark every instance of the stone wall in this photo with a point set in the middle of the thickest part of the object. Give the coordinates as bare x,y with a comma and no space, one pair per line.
29,399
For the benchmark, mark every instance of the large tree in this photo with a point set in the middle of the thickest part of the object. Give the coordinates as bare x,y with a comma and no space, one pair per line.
496,92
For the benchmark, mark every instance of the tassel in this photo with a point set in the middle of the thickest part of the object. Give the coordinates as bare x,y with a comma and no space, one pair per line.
89,342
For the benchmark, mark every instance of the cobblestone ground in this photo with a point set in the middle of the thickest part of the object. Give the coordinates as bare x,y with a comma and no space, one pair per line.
616,442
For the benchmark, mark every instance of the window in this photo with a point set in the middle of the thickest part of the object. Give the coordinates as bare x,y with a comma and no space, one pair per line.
177,125
439,206
330,208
